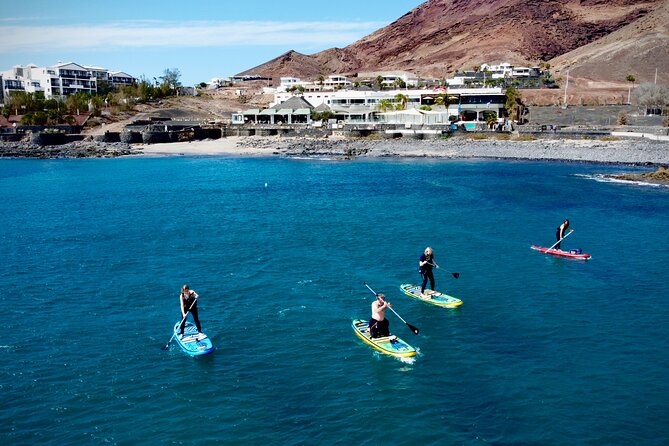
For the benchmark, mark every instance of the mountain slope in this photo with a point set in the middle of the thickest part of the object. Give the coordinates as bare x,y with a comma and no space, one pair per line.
441,36
639,49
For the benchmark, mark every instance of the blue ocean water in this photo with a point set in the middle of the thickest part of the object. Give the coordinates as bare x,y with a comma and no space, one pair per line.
543,351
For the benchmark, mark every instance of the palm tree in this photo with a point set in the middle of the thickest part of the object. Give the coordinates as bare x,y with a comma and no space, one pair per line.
379,82
630,78
514,103
399,83
491,119
401,101
384,105
442,99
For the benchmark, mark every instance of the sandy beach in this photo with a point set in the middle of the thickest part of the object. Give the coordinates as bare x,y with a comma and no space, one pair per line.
598,151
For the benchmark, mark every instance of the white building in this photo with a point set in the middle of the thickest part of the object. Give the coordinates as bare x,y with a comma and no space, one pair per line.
389,78
120,79
60,80
466,104
335,81
505,70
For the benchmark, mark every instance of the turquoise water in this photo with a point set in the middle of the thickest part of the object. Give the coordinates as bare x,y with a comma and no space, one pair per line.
543,350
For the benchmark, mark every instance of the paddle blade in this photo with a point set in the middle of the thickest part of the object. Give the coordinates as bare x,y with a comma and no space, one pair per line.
456,275
413,328
166,346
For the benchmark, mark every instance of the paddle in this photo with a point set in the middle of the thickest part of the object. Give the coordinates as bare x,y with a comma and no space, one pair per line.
182,321
456,275
564,237
411,327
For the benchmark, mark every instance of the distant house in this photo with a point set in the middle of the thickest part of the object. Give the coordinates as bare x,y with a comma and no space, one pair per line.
295,110
337,81
389,78
219,82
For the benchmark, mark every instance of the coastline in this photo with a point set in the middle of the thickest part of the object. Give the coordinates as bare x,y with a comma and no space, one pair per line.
623,151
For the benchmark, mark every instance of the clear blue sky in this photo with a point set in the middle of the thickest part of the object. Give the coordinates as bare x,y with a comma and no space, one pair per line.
203,39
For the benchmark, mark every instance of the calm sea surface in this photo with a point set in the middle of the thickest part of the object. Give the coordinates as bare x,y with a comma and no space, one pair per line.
543,351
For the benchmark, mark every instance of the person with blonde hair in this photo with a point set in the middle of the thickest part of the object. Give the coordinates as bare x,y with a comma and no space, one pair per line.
188,301
426,263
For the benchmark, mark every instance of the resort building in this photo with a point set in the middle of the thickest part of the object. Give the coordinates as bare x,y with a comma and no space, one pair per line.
392,106
60,80
294,110
120,79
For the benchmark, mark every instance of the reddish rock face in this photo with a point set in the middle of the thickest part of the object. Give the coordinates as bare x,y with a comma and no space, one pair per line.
441,36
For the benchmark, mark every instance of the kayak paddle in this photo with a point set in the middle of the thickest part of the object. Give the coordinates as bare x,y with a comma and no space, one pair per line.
411,327
182,321
554,244
456,275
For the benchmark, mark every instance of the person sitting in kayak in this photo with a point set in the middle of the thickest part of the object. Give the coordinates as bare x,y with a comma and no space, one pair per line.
561,232
379,326
426,263
188,300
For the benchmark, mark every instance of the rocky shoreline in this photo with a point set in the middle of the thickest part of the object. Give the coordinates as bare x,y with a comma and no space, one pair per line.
625,152
660,176
595,151
79,149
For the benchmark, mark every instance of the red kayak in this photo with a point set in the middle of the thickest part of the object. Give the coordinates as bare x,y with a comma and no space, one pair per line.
571,254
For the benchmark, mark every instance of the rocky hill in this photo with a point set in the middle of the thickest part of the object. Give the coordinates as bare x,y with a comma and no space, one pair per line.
440,36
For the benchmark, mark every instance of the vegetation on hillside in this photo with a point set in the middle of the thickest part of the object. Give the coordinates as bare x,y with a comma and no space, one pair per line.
35,109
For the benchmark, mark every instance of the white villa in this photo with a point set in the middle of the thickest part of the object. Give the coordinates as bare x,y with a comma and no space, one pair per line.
507,70
60,80
390,77
501,71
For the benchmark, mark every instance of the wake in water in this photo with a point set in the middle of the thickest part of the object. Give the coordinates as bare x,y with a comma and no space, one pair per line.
282,313
602,178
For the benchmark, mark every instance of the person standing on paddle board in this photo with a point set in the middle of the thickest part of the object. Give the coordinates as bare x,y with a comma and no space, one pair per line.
379,326
426,263
188,299
561,232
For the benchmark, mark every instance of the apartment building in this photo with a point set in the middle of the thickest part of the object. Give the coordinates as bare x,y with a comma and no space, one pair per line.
60,80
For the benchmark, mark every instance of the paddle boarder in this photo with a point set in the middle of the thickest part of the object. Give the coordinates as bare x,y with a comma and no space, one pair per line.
561,232
426,263
188,300
379,326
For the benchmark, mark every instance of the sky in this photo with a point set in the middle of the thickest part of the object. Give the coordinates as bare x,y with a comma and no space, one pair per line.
202,39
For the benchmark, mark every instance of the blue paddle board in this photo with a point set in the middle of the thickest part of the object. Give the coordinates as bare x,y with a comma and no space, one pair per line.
193,343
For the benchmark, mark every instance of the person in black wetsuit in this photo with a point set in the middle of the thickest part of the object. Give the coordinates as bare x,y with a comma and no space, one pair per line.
188,299
426,263
561,232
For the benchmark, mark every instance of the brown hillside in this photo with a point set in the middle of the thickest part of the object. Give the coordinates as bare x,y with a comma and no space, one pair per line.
441,36
638,49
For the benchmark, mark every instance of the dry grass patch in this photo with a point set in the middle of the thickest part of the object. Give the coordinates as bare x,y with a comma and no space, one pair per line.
477,136
525,138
